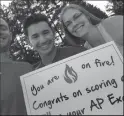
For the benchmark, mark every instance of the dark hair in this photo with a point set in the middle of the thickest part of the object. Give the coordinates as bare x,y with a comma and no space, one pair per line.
35,18
93,19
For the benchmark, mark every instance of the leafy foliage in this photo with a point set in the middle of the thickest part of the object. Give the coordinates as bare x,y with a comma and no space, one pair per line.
116,7
18,10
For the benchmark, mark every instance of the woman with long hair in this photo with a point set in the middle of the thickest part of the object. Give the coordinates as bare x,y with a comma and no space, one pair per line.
80,25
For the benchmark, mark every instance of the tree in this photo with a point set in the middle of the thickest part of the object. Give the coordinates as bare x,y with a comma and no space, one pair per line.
18,10
115,7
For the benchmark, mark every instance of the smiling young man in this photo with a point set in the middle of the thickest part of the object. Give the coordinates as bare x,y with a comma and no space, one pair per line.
41,36
11,95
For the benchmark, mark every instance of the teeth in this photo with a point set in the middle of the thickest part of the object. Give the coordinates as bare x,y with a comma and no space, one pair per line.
78,28
45,46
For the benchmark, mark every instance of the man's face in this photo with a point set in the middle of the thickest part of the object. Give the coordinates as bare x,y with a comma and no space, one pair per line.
5,36
41,37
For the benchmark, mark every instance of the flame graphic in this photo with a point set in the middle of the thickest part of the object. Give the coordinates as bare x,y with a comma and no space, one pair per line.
70,74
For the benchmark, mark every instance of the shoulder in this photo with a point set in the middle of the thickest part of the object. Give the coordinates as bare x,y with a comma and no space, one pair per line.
22,66
65,52
72,49
114,26
75,48
114,20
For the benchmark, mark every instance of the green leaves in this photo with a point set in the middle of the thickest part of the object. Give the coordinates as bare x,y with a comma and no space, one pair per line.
116,7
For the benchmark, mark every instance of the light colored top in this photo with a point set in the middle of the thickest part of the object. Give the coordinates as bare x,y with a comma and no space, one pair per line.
111,30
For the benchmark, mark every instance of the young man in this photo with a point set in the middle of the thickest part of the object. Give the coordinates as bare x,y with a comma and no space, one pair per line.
41,36
11,95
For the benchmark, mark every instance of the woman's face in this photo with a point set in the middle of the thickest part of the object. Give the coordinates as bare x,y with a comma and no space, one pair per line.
76,22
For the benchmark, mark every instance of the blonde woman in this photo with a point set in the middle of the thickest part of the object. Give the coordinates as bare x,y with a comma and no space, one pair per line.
80,25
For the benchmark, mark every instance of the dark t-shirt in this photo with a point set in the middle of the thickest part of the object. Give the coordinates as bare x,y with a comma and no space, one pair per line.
63,53
11,94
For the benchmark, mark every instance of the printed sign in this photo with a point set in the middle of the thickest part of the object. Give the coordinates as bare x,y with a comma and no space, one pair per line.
90,82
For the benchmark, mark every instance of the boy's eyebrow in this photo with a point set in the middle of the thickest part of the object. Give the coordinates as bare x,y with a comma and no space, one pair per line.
45,30
34,34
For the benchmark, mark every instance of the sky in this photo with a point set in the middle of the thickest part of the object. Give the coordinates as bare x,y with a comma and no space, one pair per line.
5,2
100,4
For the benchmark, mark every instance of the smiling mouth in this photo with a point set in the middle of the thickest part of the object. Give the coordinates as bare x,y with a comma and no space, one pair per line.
45,45
78,28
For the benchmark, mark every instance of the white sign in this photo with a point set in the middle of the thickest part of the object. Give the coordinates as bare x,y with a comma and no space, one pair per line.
90,82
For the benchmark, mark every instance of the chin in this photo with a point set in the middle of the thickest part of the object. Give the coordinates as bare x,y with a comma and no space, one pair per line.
83,34
47,51
80,36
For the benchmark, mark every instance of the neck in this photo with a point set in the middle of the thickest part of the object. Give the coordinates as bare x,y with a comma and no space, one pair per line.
4,57
48,58
94,37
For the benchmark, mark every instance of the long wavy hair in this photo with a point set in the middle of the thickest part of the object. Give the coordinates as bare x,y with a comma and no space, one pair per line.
71,39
